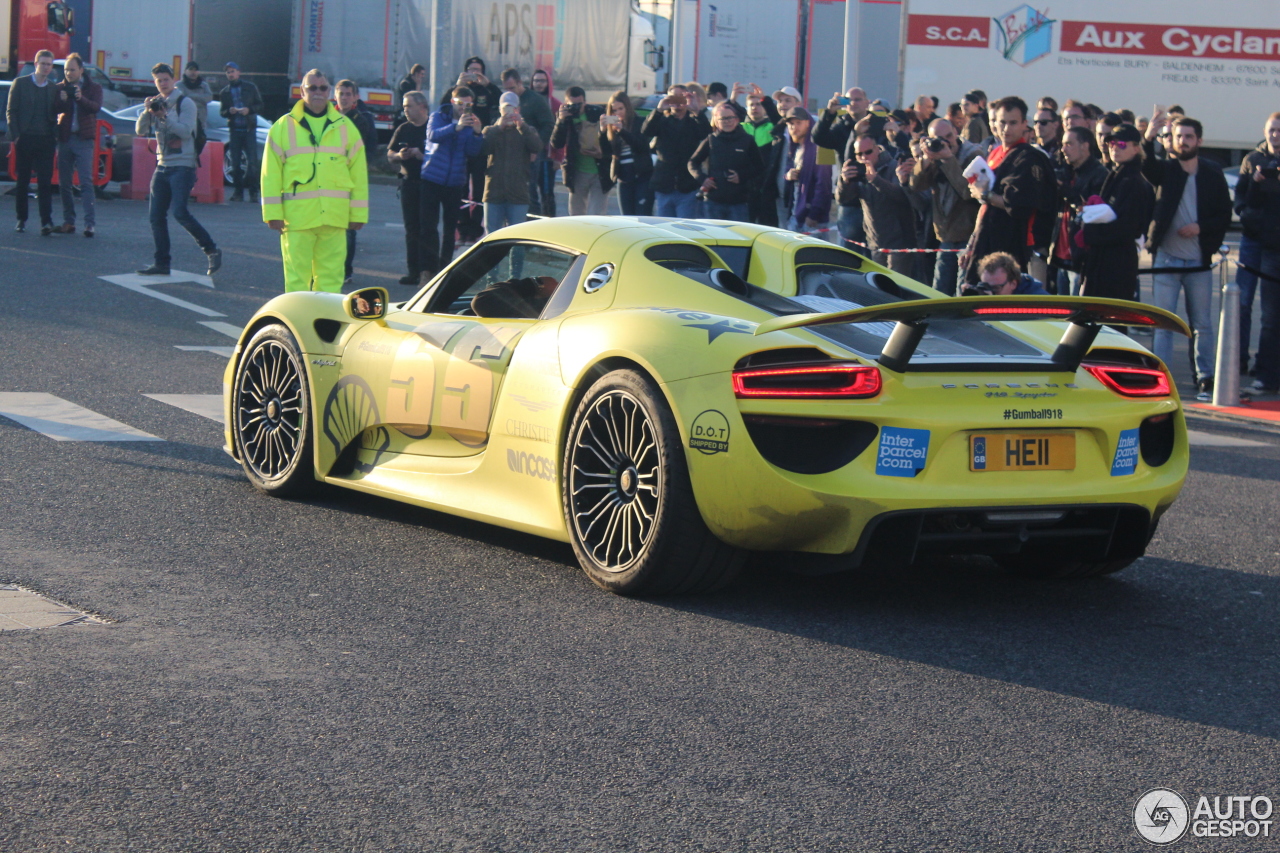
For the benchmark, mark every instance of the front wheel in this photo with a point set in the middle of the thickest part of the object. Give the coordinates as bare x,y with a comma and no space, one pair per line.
272,424
628,502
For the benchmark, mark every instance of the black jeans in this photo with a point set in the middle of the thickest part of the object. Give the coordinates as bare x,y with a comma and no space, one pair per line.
437,249
411,210
35,153
171,187
351,254
242,148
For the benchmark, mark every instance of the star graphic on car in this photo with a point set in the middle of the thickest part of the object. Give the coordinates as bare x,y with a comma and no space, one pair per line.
715,330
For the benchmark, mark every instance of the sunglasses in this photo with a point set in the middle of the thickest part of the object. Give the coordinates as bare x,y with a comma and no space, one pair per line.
1117,144
317,88
862,155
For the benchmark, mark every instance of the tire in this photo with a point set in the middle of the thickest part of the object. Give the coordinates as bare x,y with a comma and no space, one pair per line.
628,503
272,425
1048,568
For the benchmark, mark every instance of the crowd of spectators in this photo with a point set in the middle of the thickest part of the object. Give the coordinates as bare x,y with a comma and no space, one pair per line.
1070,194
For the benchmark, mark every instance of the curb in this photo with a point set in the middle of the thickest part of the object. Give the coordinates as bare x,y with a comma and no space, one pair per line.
1223,418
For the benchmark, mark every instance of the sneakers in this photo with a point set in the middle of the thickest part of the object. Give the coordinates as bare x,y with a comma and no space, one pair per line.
410,279
46,230
1204,390
20,227
1258,389
238,195
65,228
215,261
154,269
88,232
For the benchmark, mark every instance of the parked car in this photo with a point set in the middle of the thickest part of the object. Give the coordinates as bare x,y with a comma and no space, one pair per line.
112,97
216,130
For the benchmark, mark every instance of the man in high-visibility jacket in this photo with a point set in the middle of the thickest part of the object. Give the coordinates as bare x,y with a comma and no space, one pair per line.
315,186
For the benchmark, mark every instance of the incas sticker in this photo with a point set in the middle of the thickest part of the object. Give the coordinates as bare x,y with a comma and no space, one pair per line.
902,452
1126,461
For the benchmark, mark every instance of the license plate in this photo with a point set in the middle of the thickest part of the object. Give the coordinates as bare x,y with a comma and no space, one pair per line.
1022,451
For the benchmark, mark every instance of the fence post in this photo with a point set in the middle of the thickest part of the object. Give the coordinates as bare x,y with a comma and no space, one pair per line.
1226,383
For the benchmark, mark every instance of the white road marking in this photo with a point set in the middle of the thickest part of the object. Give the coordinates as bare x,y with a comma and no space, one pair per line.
394,224
205,405
227,329
1195,438
63,421
141,283
225,352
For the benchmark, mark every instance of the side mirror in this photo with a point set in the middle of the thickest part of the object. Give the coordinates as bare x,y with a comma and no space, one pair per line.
367,304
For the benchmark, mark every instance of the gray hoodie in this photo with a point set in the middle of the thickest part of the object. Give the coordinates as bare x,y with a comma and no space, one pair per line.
177,128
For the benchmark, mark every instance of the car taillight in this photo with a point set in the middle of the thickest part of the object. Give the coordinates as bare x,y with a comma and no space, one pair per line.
1023,310
1131,381
809,381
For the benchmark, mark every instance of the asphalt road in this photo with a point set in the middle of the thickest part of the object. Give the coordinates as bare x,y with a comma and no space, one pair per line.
352,674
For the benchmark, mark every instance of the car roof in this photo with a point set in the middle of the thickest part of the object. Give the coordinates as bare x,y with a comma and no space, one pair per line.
584,230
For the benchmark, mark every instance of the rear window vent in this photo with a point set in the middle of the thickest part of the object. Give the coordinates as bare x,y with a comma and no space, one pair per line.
787,355
685,252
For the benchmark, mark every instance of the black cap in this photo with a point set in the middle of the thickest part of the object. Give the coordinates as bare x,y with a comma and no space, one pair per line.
1124,133
975,96
797,113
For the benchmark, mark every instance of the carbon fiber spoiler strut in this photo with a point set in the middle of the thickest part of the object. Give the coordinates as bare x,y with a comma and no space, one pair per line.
1084,316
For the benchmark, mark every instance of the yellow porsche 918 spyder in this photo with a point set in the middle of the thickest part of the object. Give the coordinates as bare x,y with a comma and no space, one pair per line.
666,395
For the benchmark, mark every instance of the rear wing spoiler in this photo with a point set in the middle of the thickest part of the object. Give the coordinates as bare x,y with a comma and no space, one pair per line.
1084,317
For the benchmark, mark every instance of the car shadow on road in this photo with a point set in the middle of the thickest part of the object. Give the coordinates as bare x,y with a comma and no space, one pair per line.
1149,639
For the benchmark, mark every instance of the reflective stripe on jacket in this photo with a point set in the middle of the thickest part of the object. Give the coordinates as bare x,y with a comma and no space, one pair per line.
308,181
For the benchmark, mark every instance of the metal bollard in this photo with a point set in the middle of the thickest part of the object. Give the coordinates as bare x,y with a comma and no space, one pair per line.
1226,383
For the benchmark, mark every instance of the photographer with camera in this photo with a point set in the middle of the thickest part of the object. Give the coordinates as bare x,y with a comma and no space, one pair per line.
729,165
632,166
836,129
453,136
1258,201
674,135
1000,275
78,102
1080,177
171,117
535,110
580,130
874,181
508,147
940,160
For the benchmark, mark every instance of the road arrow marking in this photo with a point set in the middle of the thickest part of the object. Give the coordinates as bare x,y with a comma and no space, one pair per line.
141,284
227,329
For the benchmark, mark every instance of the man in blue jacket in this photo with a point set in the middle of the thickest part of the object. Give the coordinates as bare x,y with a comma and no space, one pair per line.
453,135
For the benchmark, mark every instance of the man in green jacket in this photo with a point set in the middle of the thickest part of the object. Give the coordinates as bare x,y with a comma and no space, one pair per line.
510,146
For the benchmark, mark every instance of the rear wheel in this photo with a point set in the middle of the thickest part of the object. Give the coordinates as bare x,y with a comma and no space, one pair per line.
272,425
628,502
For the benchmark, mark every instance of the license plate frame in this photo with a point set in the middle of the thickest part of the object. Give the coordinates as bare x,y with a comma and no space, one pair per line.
1022,450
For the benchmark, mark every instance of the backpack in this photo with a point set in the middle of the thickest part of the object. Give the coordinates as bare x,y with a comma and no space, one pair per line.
589,139
200,138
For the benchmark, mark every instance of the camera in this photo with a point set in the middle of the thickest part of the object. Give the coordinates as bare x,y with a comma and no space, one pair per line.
612,120
980,288
936,145
842,101
157,105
